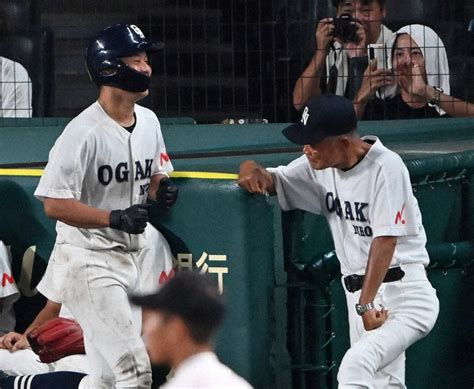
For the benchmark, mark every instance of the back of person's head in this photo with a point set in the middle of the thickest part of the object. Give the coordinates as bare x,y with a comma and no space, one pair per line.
192,297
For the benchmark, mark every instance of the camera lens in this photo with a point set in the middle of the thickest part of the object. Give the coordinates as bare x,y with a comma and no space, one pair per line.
344,28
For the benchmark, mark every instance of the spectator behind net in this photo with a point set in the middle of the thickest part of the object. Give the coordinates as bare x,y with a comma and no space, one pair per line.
340,58
421,70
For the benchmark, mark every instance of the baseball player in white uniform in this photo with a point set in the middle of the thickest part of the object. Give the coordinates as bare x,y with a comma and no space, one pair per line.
181,320
9,292
364,191
108,161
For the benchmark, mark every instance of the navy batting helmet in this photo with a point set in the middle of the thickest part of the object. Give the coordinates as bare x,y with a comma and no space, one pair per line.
104,53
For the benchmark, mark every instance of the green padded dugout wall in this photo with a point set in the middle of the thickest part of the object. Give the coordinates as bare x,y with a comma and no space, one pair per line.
228,230
214,227
222,147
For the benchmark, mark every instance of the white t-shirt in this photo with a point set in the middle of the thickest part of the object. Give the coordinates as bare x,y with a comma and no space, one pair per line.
204,371
8,291
16,90
372,199
338,56
99,163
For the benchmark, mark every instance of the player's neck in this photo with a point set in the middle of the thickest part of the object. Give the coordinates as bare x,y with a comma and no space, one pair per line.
186,350
118,106
359,150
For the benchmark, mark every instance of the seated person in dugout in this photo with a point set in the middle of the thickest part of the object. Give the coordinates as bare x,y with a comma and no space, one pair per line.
420,70
9,293
340,58
17,357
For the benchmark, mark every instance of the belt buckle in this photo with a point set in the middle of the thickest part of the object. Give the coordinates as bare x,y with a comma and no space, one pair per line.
394,274
351,283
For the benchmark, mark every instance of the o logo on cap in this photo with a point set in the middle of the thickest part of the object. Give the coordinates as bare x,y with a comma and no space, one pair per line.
137,31
305,116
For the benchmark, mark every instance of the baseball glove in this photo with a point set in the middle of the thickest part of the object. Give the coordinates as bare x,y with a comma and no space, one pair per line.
57,338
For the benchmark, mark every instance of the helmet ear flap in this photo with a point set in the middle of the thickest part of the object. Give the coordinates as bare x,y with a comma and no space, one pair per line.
105,50
101,71
108,72
109,68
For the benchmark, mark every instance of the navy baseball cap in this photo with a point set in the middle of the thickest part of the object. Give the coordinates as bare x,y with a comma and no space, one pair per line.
324,116
189,295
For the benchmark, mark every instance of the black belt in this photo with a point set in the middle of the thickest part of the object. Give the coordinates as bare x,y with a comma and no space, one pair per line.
354,281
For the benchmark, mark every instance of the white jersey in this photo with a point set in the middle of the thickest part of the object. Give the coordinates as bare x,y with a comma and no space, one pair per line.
204,371
99,163
16,91
8,291
372,199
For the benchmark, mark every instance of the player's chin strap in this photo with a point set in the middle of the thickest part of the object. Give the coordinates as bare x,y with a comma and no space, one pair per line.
127,79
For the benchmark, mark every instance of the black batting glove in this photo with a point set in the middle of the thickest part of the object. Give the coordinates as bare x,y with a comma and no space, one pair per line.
166,195
131,220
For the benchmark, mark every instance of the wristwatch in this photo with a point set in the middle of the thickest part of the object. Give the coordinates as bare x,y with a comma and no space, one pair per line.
436,96
363,308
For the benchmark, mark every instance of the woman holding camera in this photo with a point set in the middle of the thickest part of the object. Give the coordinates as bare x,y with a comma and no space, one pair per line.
421,72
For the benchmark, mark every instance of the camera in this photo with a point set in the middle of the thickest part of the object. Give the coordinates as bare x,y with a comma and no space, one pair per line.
345,28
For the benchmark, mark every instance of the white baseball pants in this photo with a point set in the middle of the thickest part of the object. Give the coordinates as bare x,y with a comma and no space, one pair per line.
95,285
376,359
26,362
